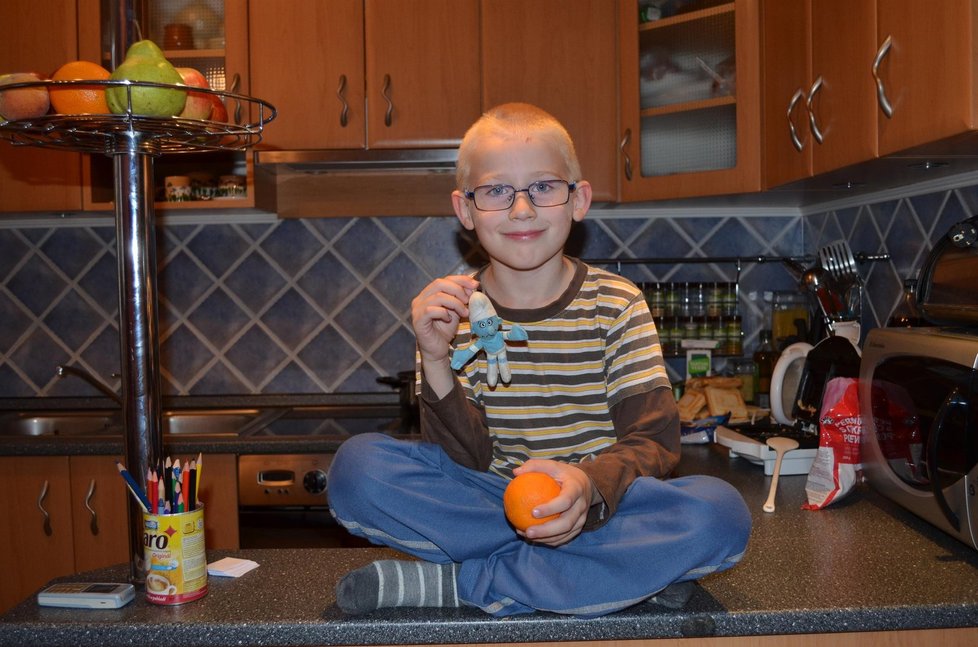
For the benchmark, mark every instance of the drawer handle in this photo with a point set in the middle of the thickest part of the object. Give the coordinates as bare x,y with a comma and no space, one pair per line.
235,82
881,98
792,131
810,103
624,153
40,506
386,92
340,92
93,523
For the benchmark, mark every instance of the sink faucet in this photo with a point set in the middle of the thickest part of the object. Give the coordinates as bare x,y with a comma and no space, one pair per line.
65,371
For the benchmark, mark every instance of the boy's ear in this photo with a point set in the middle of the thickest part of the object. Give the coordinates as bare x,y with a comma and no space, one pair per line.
581,200
463,209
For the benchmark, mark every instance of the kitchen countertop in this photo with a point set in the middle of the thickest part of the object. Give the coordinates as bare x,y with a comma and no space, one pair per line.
861,565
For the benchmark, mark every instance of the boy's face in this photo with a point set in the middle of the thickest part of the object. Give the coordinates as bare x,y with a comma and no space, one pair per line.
523,237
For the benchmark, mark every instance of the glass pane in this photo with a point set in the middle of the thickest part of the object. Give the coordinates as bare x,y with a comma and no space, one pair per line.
193,24
686,142
688,61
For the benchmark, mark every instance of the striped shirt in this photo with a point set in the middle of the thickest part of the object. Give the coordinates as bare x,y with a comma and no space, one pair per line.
597,346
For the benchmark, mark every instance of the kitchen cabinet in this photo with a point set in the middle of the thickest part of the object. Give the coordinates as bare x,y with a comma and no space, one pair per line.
565,71
68,514
366,73
218,48
34,179
819,106
36,535
823,106
690,101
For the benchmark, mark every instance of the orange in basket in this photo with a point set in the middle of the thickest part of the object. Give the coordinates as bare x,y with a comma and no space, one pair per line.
79,99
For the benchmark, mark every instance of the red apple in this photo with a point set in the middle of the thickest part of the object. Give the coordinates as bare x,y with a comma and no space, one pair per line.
23,103
198,104
220,112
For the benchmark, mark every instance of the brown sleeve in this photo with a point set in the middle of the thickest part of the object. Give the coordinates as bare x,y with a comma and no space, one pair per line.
456,424
648,445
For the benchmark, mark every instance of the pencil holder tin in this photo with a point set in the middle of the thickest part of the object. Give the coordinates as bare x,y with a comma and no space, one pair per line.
176,562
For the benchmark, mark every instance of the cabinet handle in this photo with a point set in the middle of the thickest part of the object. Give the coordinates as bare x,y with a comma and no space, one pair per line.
812,121
40,506
881,53
386,92
93,524
624,153
340,92
795,140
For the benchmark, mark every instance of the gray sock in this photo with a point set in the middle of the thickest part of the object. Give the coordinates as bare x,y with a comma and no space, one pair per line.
398,583
674,596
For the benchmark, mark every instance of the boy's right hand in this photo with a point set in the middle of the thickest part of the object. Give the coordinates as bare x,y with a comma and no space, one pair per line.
436,312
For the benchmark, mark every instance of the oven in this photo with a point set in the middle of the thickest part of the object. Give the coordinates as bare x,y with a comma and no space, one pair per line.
283,501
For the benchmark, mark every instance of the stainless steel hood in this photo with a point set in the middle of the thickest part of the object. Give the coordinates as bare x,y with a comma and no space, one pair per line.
325,161
374,182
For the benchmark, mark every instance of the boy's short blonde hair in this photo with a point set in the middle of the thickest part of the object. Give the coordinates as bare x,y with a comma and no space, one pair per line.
515,120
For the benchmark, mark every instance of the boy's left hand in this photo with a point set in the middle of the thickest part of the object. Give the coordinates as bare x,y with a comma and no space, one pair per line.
571,504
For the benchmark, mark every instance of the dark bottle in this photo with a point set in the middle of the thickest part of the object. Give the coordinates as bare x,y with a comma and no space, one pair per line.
764,359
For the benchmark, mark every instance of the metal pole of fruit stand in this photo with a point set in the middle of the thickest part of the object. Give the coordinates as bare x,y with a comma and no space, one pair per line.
138,326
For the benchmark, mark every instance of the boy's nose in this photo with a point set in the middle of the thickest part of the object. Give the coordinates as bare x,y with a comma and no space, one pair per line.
522,207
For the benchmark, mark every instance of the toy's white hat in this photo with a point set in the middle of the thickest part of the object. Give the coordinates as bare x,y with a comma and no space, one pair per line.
480,307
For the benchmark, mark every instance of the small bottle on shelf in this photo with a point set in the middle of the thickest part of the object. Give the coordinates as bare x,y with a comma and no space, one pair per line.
764,359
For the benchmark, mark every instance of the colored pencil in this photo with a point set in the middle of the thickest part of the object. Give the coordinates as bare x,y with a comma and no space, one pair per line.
134,488
193,485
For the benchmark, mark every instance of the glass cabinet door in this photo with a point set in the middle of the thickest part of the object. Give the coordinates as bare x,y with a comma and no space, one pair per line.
689,99
209,36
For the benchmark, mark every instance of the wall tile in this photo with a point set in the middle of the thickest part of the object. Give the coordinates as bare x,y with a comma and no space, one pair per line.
323,305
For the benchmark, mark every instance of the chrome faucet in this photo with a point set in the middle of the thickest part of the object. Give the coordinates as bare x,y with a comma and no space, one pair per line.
65,371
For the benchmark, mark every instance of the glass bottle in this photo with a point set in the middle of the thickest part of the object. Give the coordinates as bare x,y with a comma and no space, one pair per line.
764,358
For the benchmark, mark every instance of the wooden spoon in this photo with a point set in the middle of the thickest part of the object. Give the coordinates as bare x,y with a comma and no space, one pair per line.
780,445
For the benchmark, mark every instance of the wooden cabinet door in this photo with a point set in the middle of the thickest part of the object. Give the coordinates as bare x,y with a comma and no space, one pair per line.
35,179
928,73
565,71
843,107
786,63
99,506
36,535
219,492
422,69
306,59
709,144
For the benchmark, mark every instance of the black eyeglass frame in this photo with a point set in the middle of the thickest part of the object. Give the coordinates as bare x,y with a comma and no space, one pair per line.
470,195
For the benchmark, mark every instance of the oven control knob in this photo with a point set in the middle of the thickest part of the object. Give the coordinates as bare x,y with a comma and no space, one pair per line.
314,482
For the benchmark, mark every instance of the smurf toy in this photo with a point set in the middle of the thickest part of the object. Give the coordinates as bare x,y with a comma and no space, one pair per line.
485,324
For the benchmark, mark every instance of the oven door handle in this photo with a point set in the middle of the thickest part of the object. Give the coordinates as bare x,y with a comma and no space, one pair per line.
954,400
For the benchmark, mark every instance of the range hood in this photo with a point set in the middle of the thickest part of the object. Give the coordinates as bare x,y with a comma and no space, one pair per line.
325,161
360,182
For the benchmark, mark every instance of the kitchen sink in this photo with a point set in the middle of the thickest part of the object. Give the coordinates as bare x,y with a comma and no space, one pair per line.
75,423
197,422
208,422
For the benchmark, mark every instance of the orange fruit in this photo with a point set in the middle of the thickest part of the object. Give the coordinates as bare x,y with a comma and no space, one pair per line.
79,99
525,492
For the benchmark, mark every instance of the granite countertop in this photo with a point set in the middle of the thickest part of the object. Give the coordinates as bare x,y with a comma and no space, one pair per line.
861,565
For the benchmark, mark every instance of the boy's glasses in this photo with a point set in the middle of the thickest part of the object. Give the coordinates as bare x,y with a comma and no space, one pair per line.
544,193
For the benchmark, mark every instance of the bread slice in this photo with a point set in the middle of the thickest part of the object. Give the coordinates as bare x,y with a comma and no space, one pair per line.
720,401
690,405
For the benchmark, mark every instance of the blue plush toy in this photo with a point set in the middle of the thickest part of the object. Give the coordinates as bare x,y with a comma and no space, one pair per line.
485,324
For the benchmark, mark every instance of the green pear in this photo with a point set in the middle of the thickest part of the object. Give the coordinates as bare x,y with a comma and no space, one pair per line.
145,62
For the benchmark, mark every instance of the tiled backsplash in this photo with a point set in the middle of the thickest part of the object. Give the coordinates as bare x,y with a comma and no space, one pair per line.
322,305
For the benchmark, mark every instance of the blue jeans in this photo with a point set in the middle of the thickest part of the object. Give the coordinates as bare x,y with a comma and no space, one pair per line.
412,497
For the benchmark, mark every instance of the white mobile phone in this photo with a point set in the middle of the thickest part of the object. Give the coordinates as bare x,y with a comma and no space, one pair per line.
87,595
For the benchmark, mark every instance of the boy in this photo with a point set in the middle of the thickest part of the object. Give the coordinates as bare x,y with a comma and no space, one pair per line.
588,402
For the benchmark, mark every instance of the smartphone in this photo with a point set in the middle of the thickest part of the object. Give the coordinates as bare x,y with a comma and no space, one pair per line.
87,595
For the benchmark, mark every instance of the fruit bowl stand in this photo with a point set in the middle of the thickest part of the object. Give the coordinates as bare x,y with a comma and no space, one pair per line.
133,141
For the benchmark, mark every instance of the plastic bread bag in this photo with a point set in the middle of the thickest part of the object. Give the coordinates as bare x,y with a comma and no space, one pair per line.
837,466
